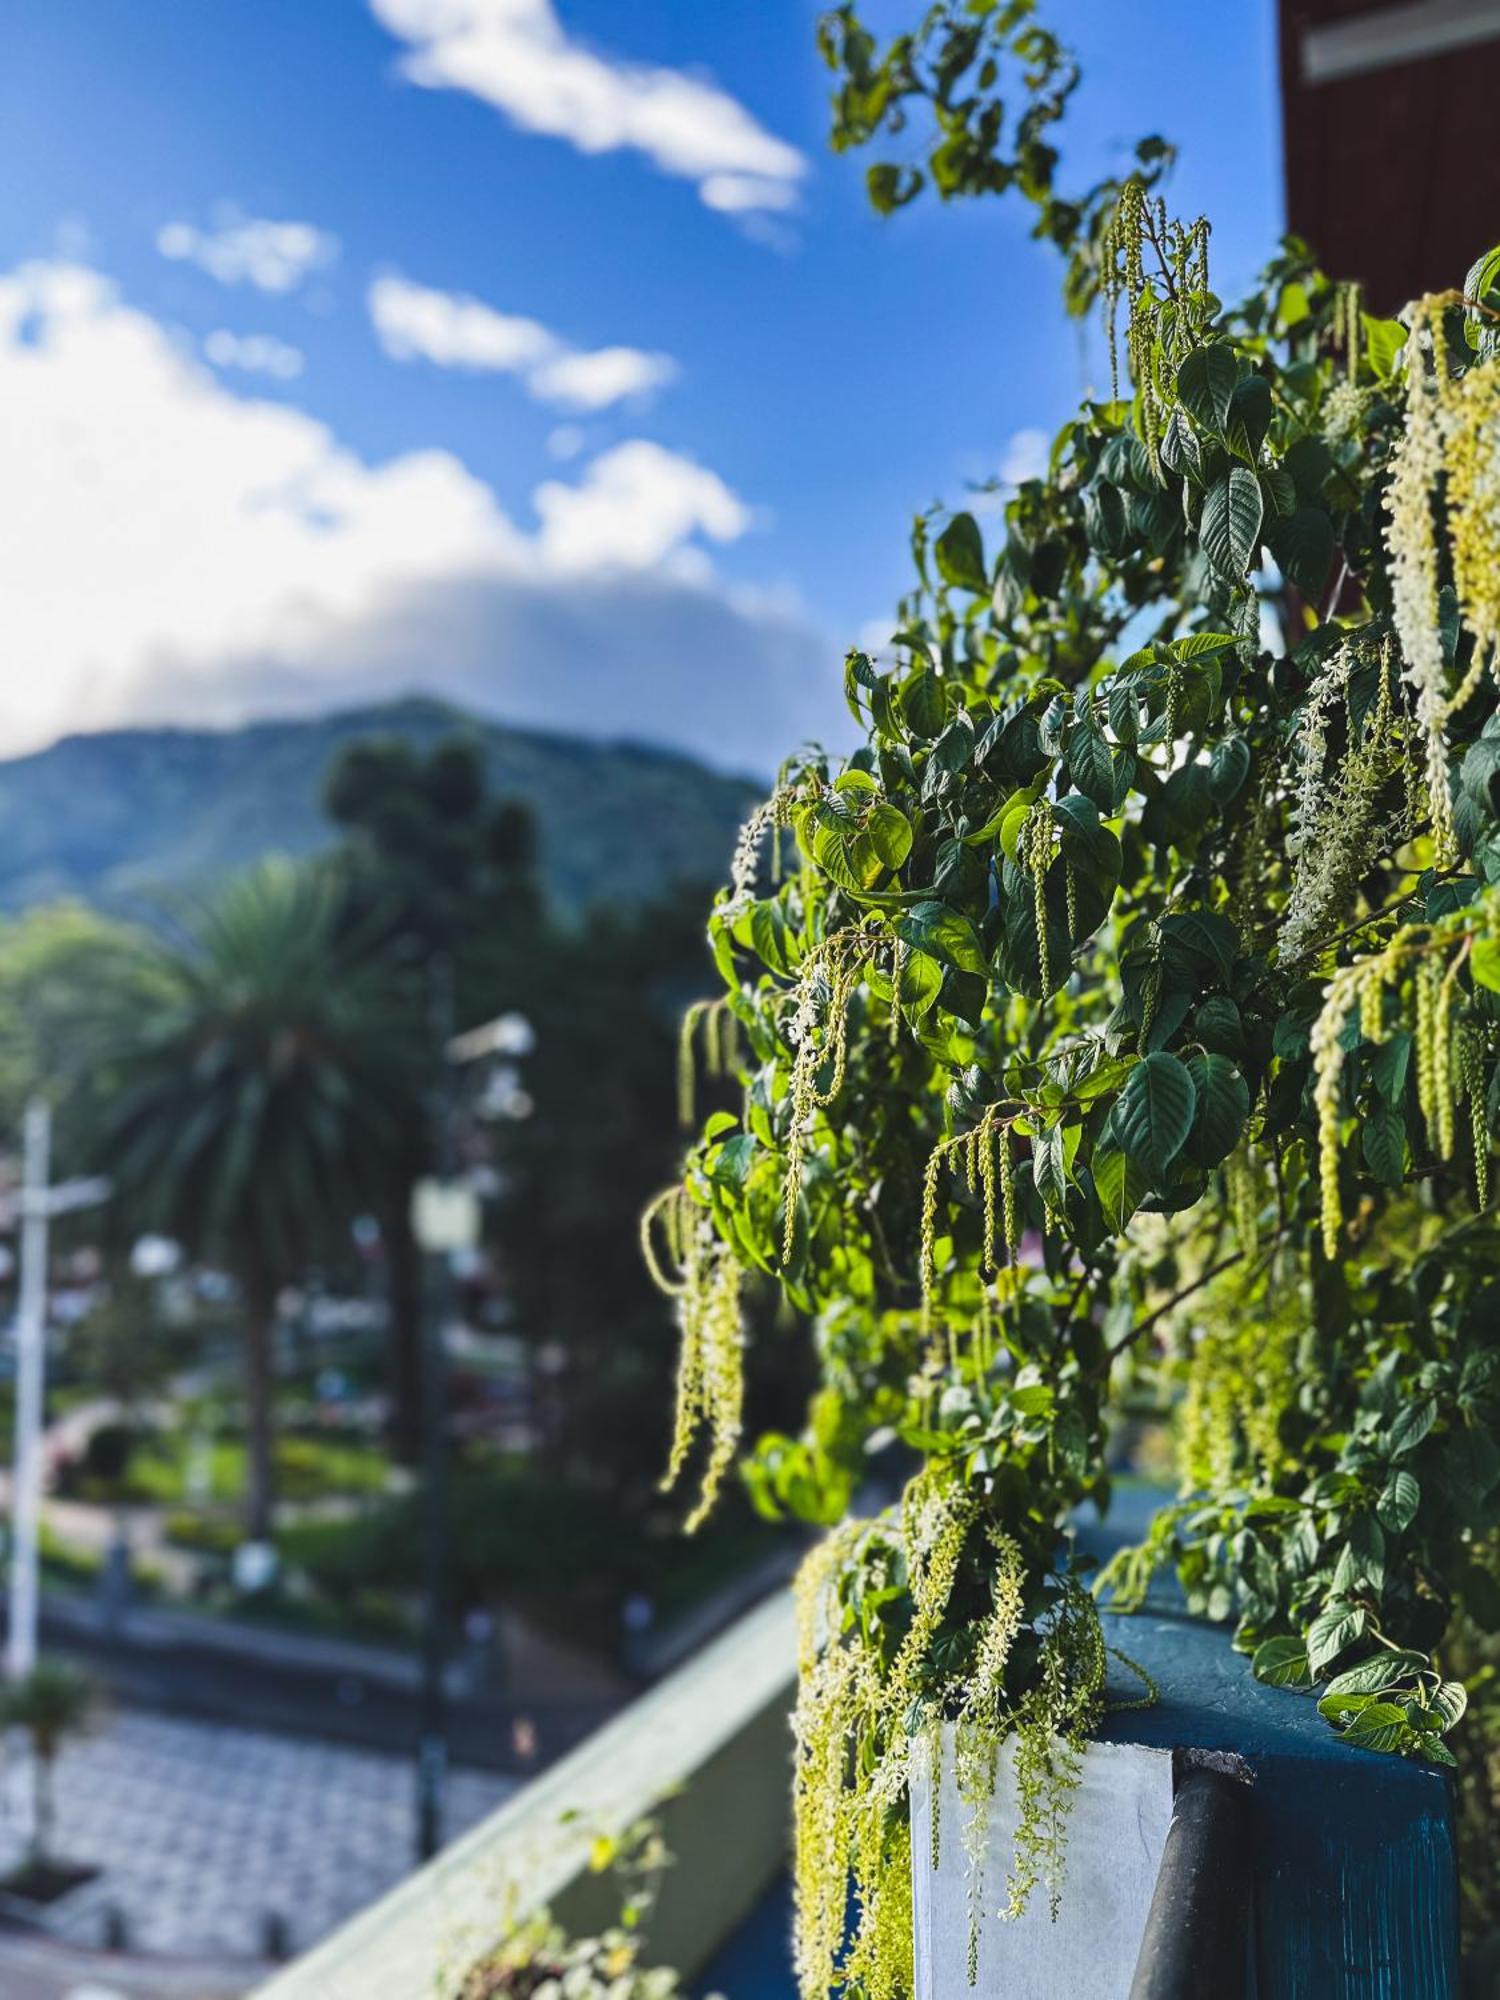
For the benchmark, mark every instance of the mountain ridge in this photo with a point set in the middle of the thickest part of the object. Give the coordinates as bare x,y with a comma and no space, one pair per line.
129,819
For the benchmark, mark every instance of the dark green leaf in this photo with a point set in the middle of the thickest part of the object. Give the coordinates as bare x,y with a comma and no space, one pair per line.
1281,1663
1412,1424
1228,768
1230,525
1302,543
1206,383
1331,1632
959,550
934,928
1223,1106
1399,1500
1119,1182
1090,764
1383,1143
1154,1113
1380,1671
1381,1726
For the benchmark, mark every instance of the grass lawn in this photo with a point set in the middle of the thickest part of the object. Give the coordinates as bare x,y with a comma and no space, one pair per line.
175,1469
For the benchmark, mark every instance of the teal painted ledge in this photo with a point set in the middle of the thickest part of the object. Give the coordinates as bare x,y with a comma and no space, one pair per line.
1355,1889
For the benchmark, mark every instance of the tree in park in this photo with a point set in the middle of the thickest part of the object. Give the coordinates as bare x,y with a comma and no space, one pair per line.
51,1703
258,1102
68,977
444,876
1125,1016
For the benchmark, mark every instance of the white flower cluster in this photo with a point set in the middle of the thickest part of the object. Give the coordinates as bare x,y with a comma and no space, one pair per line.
1411,539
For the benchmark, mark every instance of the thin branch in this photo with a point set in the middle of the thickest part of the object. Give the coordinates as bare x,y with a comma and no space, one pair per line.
1159,1313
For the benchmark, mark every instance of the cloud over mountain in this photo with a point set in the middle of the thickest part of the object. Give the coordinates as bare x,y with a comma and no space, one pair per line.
172,550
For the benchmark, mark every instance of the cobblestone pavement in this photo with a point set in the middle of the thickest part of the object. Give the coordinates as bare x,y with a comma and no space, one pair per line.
203,1832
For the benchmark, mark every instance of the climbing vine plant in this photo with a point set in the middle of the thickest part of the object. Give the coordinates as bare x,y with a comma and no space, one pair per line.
1126,1017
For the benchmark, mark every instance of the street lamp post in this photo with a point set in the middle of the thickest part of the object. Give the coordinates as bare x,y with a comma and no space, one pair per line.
39,1203
445,1220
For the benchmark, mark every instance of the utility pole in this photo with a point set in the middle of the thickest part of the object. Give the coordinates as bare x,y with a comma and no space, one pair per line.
39,1203
445,1220
31,1369
432,1745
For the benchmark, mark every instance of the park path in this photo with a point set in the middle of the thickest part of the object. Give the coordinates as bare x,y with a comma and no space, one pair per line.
207,1834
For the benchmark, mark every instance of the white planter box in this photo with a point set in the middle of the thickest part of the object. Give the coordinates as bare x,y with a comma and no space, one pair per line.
1117,1828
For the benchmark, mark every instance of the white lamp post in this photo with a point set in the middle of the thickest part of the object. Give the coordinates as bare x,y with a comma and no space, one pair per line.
39,1203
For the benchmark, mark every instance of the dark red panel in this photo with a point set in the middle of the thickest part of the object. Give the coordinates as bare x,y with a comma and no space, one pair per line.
1393,176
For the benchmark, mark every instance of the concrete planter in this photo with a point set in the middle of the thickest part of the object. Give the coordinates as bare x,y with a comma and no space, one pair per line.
1117,1829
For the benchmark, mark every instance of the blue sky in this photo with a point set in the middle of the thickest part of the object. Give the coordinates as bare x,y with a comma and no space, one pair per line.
660,477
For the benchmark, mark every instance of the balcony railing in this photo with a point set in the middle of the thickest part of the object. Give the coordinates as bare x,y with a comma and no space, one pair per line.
707,1750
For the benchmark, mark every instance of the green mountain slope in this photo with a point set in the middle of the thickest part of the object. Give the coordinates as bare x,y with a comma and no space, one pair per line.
128,818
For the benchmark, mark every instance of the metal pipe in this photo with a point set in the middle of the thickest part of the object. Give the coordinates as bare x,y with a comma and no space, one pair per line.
1196,1939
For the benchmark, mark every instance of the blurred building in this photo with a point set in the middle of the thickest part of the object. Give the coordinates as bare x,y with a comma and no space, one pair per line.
1392,138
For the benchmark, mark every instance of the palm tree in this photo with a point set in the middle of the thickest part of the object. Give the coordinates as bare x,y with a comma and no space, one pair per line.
51,1703
259,1102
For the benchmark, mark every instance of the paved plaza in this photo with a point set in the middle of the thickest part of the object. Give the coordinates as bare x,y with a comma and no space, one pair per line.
203,1832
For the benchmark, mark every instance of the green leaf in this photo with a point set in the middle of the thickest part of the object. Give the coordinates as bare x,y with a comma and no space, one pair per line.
1380,1671
1206,383
1154,1113
1450,1702
1363,1555
934,928
1223,1106
1412,1424
924,705
1389,1064
920,983
1202,936
1229,527
1090,765
1280,489
1228,768
959,550
1484,963
1203,646
1302,543
1383,1143
889,832
1381,1726
1331,1632
1340,1709
1399,1500
1119,1182
1384,340
1281,1663
1249,416
1434,1747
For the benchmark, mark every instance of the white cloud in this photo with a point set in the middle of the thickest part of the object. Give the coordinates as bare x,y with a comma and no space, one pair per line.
517,56
1025,457
565,442
742,194
170,550
255,353
416,323
250,250
608,375
636,506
